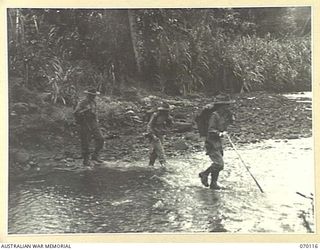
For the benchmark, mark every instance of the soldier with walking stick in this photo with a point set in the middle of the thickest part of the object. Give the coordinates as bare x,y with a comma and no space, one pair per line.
212,124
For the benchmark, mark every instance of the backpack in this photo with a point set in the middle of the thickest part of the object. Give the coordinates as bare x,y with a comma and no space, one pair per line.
202,120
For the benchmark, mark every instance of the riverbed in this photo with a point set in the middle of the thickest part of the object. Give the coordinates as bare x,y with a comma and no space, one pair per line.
120,197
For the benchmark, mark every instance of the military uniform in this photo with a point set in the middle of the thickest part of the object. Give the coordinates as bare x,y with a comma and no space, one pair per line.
86,116
213,143
218,122
156,130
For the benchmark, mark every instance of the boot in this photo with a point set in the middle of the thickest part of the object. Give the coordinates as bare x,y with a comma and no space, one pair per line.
152,158
163,164
151,162
204,179
95,158
214,179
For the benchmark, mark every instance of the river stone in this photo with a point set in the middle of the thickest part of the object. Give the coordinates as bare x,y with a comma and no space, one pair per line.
158,204
27,167
48,165
21,157
20,107
192,137
179,116
180,145
181,127
291,137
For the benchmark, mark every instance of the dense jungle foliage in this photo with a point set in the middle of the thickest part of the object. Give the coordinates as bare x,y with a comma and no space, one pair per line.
58,52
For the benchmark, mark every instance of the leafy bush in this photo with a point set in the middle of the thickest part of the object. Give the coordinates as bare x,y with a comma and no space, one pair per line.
178,51
265,63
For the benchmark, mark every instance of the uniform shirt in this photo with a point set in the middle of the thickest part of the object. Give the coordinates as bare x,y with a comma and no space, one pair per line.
158,124
87,107
217,123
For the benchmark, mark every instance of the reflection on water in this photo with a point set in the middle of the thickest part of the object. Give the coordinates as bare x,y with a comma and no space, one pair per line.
297,96
122,197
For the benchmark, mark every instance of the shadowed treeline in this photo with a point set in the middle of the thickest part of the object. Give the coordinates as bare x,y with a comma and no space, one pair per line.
178,51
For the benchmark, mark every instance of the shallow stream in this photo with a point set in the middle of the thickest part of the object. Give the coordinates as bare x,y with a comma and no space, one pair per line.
132,197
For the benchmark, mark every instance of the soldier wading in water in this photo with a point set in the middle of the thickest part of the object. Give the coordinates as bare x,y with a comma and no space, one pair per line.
86,116
212,123
156,130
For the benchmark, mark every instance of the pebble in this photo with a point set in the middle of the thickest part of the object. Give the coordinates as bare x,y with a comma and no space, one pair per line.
158,204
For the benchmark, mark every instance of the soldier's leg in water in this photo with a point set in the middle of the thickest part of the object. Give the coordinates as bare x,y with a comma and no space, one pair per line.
216,167
99,141
160,151
204,176
152,153
84,140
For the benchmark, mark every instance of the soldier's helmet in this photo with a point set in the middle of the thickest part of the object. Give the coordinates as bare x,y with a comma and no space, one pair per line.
164,106
91,91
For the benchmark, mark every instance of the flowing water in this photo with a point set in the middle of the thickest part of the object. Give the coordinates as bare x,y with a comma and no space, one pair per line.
131,197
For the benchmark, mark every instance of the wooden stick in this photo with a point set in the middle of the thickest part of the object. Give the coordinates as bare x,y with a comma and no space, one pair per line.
235,149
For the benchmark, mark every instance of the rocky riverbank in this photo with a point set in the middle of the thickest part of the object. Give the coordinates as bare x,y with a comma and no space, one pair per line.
44,138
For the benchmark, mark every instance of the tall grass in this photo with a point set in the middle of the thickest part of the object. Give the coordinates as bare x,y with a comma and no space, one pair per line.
271,64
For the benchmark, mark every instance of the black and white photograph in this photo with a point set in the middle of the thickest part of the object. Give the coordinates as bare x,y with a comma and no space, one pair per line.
160,121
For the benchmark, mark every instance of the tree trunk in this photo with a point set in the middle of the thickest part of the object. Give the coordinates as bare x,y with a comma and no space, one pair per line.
17,25
11,25
136,42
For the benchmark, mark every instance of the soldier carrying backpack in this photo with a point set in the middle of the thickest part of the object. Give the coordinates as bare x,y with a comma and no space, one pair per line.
212,123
